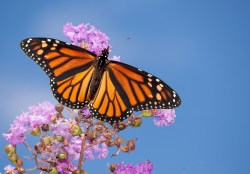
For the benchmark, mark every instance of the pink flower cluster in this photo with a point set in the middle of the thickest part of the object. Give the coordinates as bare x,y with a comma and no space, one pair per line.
36,116
142,168
164,117
83,34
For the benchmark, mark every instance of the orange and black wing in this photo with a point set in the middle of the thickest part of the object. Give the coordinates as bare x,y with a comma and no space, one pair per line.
125,89
109,105
69,68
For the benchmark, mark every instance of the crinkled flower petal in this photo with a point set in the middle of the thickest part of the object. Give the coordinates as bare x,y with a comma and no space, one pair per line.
9,168
142,168
95,39
164,117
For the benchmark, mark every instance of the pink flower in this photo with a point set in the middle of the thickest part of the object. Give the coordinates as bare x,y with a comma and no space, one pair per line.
16,134
61,128
142,168
164,117
65,166
74,147
86,113
125,169
103,152
36,116
96,40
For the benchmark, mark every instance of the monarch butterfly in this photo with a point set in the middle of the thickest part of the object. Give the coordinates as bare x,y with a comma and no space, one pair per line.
112,90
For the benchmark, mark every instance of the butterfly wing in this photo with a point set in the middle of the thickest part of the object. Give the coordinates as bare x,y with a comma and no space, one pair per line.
125,89
69,68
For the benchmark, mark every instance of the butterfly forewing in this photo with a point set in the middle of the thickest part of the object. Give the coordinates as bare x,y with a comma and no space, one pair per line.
69,67
58,59
143,90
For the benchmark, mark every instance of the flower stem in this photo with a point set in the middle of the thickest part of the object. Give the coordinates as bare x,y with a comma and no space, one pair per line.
81,160
33,153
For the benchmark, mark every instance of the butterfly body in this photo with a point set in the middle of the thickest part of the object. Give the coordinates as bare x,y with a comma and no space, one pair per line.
99,67
112,90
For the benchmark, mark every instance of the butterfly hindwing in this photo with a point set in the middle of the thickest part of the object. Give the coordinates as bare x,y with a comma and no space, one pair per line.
74,90
108,104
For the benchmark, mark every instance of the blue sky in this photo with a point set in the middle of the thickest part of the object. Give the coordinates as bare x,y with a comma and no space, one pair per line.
199,47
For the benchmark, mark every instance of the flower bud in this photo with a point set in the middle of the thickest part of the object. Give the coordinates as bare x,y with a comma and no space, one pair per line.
125,148
118,141
110,143
99,129
13,157
47,140
108,135
53,171
78,119
147,113
112,167
58,138
59,108
19,162
10,148
45,127
91,135
76,129
62,156
131,144
53,119
136,122
39,147
59,115
36,131
121,125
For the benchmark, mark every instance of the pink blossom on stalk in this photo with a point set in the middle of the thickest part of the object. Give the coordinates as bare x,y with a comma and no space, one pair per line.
86,113
103,152
89,154
125,169
74,147
36,116
164,117
61,128
17,130
75,33
96,40
16,134
97,151
142,168
40,114
63,166
45,110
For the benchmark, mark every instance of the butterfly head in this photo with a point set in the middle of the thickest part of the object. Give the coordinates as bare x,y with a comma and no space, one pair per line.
105,52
